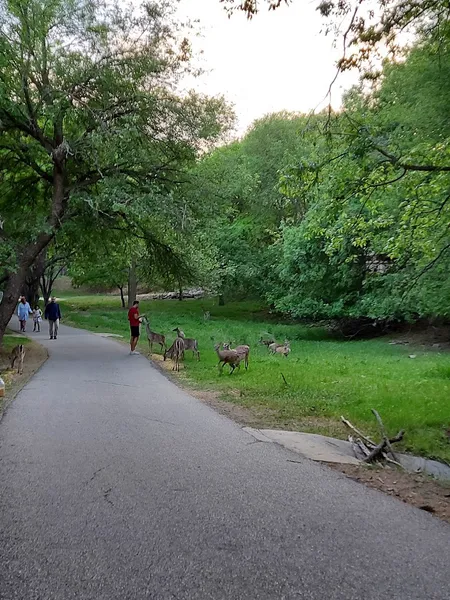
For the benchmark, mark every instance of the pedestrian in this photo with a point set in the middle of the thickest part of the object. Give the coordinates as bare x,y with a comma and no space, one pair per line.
135,321
37,319
53,314
23,311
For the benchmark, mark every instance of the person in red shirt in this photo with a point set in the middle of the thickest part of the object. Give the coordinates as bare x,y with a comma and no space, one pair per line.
135,321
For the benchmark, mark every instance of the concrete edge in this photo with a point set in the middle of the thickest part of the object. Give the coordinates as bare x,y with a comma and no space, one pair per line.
258,435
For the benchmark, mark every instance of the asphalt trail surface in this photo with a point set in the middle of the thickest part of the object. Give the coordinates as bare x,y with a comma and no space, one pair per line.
117,485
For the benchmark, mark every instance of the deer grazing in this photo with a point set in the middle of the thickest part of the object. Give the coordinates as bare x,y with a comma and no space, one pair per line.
18,354
153,337
243,350
228,357
189,343
176,353
282,349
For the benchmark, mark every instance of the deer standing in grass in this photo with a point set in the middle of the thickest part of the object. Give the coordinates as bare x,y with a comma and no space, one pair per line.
189,343
243,350
152,336
176,353
283,349
228,357
18,354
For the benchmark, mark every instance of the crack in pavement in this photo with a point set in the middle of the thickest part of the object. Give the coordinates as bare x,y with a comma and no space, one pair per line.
106,494
109,383
94,475
155,420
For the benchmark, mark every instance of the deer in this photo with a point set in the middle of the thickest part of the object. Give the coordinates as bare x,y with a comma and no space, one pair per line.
152,336
228,357
243,350
189,343
283,349
176,353
266,342
18,354
274,345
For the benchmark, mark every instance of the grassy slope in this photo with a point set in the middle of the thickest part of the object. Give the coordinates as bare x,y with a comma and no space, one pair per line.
9,342
327,378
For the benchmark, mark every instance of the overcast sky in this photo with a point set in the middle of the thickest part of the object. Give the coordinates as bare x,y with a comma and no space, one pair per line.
277,61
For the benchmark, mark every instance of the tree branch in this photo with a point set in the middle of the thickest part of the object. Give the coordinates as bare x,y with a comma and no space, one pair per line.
407,166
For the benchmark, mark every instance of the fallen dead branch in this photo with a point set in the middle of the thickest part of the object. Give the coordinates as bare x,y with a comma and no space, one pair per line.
358,433
366,450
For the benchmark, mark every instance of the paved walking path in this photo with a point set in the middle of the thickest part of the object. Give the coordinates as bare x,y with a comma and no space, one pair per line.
117,485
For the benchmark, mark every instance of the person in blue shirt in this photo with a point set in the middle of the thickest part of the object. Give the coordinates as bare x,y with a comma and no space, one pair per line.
53,314
23,310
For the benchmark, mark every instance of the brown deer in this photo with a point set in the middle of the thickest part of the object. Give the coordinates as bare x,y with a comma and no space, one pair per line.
189,343
159,338
18,354
228,357
274,345
176,353
282,349
243,350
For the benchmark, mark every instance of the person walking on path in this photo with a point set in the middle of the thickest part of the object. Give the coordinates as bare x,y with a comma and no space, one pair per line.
23,311
135,321
37,319
53,314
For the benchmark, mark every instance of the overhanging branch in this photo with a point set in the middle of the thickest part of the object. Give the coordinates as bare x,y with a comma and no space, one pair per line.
395,160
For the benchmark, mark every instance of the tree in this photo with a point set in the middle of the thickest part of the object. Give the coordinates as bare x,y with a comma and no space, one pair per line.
243,204
375,242
342,215
86,107
110,270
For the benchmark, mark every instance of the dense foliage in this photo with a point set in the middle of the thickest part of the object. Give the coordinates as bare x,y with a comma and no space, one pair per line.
106,170
92,133
345,215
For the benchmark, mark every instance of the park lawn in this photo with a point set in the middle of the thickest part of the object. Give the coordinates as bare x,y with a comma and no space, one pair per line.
326,377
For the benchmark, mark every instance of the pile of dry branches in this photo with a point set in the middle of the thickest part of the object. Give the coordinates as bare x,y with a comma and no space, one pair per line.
367,450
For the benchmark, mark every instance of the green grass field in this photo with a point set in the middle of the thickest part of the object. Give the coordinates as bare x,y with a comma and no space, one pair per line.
326,378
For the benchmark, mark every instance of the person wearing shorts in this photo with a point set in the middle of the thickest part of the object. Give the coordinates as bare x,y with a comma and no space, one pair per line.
134,319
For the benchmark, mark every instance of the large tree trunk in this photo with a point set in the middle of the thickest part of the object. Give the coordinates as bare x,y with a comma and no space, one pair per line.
10,299
34,274
132,284
16,280
122,297
30,290
46,288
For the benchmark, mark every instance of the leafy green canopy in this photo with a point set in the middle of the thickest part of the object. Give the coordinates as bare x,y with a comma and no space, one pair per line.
345,215
91,128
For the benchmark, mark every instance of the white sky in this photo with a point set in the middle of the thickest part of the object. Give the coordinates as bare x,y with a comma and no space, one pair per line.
277,61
